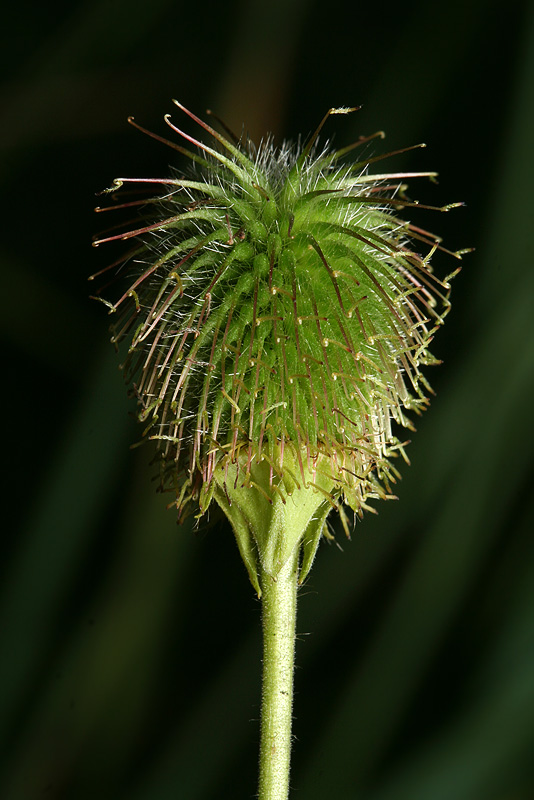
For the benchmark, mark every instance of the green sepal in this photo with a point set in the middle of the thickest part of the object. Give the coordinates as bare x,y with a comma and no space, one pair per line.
273,516
311,539
244,539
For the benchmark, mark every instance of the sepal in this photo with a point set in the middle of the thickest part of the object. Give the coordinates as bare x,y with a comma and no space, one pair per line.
272,516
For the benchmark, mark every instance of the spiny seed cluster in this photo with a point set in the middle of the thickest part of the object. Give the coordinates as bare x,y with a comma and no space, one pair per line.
276,302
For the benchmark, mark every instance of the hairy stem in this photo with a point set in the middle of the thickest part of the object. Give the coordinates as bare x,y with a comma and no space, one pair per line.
279,600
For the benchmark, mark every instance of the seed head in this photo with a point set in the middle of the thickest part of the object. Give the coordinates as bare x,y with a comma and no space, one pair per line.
279,313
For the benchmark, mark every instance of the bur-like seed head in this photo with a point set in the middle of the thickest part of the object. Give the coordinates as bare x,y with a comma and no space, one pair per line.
279,311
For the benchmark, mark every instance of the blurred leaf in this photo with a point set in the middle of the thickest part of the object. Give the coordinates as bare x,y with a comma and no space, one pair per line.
62,519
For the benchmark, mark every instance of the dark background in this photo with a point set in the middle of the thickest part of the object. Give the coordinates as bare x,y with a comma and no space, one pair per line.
130,648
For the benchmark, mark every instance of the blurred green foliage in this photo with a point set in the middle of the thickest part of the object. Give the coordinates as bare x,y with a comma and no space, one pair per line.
130,648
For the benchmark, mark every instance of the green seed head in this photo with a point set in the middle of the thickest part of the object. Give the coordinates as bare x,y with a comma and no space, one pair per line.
279,314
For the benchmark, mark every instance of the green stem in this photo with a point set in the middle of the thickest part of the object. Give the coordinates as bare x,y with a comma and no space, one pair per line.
279,602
